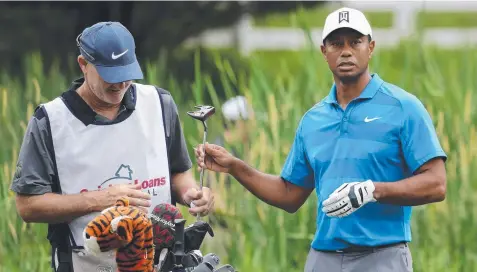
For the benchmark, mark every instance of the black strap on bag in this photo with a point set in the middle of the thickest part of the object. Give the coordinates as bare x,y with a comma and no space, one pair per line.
60,248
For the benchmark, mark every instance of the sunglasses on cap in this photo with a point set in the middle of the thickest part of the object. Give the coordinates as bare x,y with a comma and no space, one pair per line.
82,50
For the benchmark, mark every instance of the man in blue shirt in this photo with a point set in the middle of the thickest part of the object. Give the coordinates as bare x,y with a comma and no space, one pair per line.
369,149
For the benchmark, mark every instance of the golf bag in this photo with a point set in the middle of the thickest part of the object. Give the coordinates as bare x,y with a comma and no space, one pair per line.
185,255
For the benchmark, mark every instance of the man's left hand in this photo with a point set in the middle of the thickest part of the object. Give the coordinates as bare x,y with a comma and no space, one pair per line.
348,198
200,202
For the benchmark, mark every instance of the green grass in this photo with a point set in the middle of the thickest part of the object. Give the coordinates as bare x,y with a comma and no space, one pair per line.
315,17
259,237
447,19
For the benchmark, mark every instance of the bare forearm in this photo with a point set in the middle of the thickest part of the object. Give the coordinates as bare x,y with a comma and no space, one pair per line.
269,188
56,208
417,190
181,182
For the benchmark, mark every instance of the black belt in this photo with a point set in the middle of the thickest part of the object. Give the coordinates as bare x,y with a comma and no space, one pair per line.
362,249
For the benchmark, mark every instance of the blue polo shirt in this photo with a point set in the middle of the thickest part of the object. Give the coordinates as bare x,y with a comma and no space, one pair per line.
384,135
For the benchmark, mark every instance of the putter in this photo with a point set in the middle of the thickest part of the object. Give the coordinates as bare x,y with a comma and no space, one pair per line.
202,113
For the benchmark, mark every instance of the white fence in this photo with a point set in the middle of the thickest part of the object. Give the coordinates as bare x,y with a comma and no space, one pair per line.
248,38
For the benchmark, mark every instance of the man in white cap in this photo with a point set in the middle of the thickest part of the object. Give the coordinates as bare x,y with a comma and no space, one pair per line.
370,151
104,138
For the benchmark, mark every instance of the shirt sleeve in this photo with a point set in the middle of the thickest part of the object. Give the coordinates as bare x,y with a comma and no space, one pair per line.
418,136
179,160
297,169
35,166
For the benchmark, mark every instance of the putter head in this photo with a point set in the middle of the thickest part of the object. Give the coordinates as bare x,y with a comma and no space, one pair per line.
203,112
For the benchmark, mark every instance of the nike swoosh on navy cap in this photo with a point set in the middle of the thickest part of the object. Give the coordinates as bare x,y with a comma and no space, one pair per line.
110,47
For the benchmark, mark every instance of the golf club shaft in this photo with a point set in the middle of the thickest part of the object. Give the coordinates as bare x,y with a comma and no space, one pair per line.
202,170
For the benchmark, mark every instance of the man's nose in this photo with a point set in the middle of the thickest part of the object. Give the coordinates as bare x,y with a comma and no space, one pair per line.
346,52
121,85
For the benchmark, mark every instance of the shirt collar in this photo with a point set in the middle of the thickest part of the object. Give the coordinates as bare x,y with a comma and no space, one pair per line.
369,91
83,111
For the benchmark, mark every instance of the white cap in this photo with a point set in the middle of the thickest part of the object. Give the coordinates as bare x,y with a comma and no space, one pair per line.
236,108
346,17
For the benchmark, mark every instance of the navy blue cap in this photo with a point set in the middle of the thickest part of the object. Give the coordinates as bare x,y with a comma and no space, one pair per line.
110,47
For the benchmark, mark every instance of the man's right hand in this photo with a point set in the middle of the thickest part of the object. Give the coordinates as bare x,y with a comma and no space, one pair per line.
133,192
217,158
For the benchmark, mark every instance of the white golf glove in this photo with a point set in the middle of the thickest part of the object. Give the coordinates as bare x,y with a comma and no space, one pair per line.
348,198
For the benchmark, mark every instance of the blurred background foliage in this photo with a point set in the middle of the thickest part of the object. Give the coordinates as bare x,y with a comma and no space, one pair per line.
37,57
157,26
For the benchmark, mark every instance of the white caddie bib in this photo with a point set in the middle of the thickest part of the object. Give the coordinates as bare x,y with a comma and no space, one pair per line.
94,157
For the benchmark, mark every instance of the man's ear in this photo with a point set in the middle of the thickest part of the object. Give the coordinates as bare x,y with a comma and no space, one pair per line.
323,51
82,63
371,47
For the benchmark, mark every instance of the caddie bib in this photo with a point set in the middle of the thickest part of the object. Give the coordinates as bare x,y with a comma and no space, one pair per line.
95,157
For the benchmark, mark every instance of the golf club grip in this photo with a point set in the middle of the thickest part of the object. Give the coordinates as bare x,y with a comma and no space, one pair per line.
201,185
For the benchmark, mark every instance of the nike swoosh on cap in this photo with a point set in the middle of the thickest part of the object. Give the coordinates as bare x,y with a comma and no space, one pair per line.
118,56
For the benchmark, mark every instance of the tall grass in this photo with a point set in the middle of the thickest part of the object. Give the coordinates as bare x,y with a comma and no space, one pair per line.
258,237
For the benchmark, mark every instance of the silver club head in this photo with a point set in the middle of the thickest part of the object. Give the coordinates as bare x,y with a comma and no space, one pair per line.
202,113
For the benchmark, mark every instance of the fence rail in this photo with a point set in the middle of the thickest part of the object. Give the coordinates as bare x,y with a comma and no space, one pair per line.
247,38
